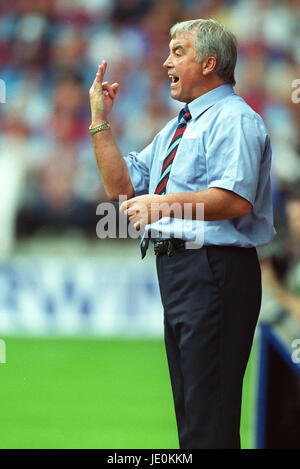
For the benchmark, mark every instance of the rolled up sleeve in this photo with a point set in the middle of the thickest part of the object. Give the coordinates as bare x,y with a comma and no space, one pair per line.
234,153
139,165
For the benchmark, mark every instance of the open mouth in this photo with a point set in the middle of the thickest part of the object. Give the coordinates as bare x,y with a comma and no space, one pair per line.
174,80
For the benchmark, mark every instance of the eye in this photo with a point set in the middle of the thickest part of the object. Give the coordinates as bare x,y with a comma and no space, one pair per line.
178,52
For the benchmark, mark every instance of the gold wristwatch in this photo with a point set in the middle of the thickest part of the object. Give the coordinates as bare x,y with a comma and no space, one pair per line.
98,128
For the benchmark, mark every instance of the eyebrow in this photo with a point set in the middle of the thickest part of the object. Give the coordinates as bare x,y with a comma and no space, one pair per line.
175,48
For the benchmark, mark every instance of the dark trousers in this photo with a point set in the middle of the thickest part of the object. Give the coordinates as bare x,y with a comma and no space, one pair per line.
211,298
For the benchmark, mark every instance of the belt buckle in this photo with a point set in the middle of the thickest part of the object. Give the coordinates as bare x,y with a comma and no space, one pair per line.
159,248
171,249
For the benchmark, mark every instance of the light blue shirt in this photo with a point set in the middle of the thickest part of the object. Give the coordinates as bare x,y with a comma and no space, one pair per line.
225,145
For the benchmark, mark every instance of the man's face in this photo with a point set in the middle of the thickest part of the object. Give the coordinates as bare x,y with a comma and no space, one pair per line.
183,69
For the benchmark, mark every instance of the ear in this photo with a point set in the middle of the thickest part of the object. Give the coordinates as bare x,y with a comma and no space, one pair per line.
209,65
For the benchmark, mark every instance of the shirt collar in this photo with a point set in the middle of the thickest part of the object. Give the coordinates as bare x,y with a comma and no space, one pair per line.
201,104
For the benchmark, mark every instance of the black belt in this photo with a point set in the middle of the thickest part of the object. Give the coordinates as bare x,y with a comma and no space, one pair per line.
167,246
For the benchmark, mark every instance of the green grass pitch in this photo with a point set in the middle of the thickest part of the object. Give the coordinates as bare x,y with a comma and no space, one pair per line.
88,393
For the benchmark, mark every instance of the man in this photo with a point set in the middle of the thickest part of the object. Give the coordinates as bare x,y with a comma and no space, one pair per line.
216,153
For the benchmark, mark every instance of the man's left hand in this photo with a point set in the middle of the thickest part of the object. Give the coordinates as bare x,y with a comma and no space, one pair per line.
143,209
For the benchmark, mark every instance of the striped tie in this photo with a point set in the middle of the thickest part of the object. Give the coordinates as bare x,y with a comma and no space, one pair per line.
184,117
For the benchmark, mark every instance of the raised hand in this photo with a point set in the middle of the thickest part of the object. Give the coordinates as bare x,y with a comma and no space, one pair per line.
102,95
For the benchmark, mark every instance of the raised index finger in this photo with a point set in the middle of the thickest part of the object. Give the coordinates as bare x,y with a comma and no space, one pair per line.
101,71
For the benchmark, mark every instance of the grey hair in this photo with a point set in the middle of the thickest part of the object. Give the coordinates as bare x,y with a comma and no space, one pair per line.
212,39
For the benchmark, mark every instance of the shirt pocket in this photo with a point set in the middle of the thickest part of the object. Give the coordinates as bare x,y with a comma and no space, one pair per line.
189,167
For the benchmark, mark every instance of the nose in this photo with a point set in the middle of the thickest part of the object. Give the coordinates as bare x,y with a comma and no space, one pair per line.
168,63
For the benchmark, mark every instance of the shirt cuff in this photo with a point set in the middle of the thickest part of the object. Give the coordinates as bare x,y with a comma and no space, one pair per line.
137,180
233,186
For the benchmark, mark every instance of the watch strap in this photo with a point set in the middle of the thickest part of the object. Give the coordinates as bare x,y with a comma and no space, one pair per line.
98,128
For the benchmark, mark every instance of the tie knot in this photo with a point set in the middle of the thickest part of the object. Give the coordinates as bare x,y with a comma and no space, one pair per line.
185,114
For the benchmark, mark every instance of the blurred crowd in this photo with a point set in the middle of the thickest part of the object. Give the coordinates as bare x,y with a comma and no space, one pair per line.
49,53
